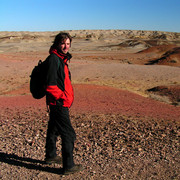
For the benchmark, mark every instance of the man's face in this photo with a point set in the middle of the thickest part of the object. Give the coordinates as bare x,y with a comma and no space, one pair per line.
64,46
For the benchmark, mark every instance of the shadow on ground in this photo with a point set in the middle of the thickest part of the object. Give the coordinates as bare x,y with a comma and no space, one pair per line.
28,163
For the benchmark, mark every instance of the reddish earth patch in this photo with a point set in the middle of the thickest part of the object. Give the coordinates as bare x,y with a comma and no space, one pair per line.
168,55
103,100
160,49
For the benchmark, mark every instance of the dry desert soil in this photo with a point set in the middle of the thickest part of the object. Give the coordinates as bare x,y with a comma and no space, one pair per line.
126,112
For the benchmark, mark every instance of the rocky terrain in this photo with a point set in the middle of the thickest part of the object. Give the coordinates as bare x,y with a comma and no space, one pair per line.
126,111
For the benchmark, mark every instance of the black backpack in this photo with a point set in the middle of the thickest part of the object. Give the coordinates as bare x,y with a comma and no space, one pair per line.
38,80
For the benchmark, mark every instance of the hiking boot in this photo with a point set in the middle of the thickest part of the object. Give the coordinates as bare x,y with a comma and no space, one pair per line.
74,169
57,160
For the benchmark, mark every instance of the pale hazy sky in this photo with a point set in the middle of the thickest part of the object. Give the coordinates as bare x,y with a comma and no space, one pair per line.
55,15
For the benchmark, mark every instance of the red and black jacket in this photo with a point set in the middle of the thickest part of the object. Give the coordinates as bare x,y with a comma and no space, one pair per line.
59,89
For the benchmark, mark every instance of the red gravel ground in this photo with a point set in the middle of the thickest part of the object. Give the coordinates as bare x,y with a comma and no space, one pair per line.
120,135
103,100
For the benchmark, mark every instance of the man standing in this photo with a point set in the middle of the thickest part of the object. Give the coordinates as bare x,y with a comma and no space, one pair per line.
60,97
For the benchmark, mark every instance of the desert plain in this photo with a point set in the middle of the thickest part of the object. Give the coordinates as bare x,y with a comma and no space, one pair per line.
126,110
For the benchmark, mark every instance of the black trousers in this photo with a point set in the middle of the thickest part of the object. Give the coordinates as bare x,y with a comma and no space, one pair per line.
60,124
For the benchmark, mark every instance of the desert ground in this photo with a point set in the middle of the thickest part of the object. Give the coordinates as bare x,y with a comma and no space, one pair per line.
126,111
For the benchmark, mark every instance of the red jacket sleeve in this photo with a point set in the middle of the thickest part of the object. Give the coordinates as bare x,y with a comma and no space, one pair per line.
55,91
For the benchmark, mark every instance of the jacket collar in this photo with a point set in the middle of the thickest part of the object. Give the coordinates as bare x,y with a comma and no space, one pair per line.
64,57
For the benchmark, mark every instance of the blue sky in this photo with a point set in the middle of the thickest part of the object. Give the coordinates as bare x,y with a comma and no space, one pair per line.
55,15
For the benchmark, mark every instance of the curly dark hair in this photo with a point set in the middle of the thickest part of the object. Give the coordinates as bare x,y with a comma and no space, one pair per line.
60,38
